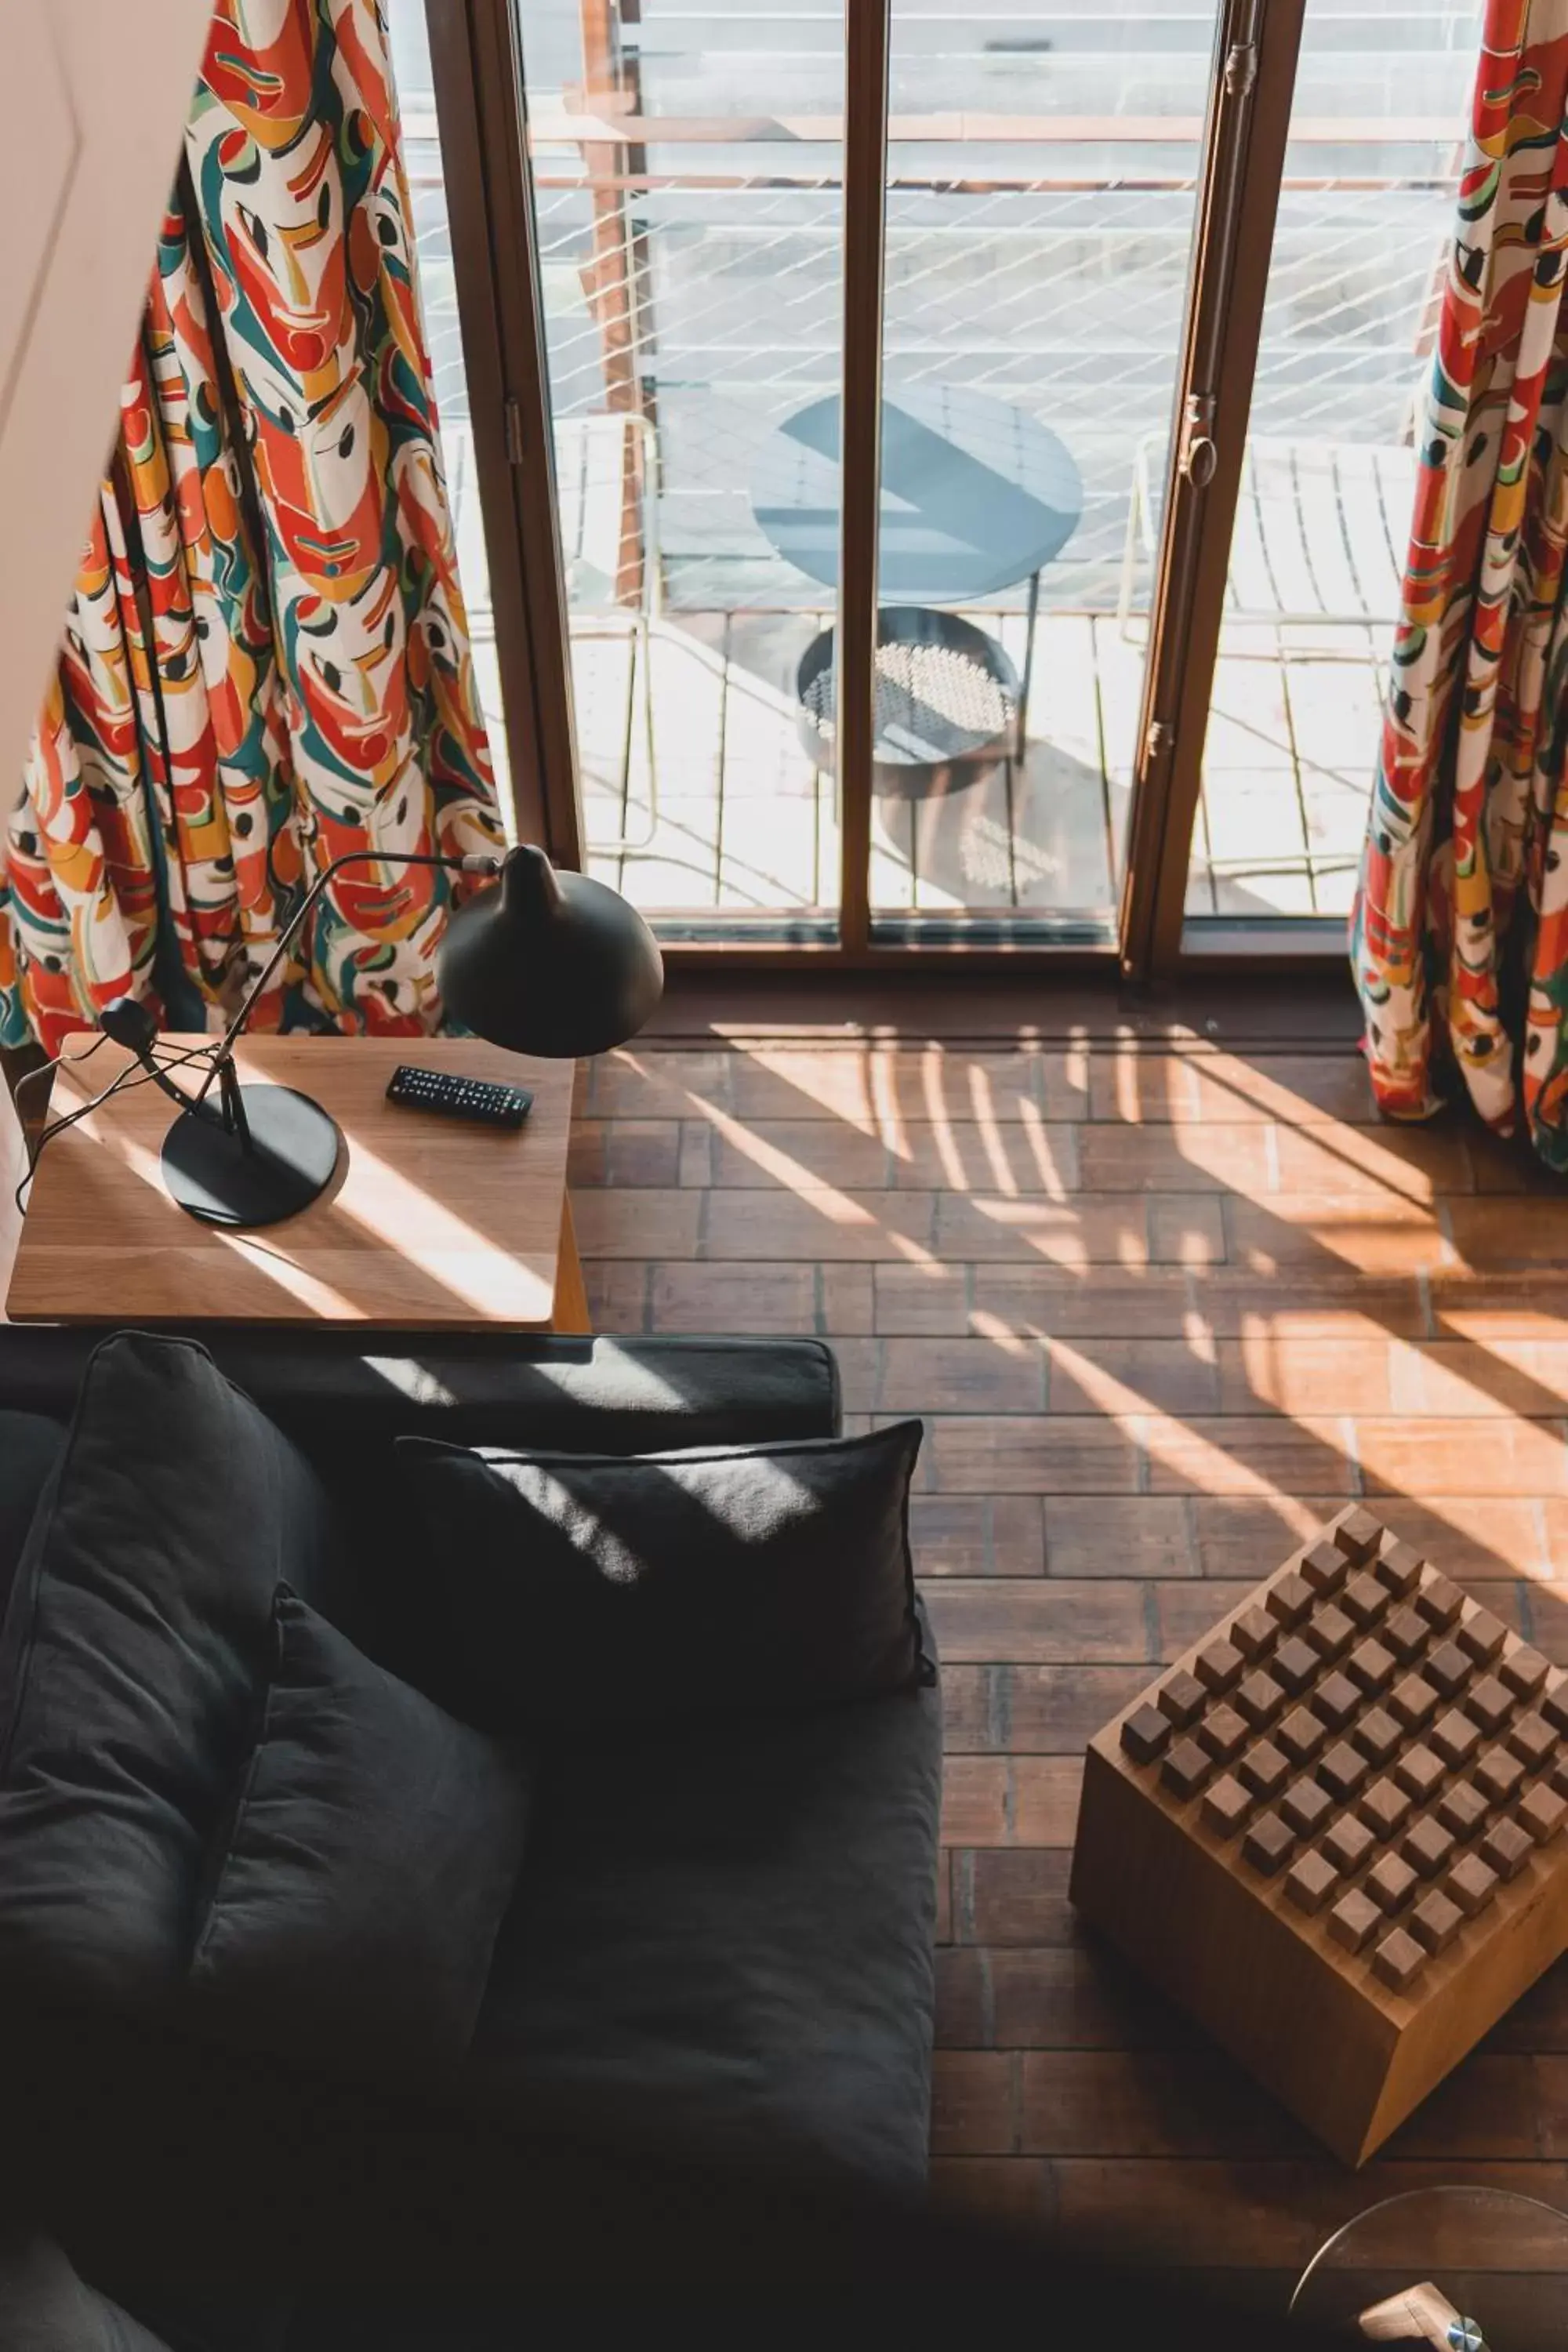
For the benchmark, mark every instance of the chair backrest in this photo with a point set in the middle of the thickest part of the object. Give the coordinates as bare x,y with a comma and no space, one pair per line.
594,456
1321,532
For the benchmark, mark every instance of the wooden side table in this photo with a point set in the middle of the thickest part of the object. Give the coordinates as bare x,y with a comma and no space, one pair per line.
429,1221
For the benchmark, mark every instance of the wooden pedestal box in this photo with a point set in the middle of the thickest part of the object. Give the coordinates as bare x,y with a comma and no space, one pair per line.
1332,1831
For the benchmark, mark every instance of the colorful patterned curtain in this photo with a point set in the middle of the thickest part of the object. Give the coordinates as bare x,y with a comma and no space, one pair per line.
1460,936
265,661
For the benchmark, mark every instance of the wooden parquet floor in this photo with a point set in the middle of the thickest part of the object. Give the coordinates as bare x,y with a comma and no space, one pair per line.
1161,1311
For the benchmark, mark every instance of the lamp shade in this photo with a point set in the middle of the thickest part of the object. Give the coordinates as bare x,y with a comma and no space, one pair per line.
548,963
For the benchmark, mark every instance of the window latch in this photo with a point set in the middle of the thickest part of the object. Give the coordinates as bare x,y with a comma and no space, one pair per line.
1240,68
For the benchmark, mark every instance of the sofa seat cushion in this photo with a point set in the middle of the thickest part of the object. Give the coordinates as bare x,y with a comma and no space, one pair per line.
137,1636
569,1588
726,1939
373,1852
45,2307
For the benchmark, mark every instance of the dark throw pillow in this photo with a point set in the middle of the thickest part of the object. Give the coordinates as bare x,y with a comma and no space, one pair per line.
374,1849
565,1588
137,1635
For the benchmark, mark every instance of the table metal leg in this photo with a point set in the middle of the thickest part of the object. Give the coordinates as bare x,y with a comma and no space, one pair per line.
1028,664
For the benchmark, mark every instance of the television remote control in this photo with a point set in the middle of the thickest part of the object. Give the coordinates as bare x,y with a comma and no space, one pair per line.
457,1097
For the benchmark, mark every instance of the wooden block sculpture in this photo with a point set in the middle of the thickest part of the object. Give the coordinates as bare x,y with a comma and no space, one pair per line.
1332,1831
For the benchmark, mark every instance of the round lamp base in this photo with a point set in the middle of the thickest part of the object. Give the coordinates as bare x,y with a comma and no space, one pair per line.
288,1162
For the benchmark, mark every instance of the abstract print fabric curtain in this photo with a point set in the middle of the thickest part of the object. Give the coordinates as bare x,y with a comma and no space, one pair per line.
1459,941
266,662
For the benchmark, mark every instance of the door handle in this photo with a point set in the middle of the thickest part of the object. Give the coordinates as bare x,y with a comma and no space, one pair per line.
1198,455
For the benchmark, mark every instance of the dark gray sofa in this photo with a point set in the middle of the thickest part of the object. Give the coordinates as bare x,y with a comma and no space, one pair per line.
720,1945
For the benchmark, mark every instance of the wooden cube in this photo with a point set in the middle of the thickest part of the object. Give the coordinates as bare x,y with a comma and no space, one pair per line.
1390,1882
1301,1735
1253,1631
1146,1734
1353,1920
1377,1734
1438,1600
1259,1698
1269,1844
1428,1847
1294,1663
1419,1771
1497,1774
1348,1842
1480,1632
1370,1665
1553,1704
1447,1668
1324,1566
1330,1631
1413,1701
1532,1740
1226,1806
1462,1809
1264,1769
1506,1848
1397,1957
1222,1732
1306,1806
1404,1632
1435,1921
1182,1698
1383,1807
1350,1962
1341,1770
1454,1737
1218,1664
1336,1699
1523,1669
1288,1598
1357,1533
1310,1882
1399,1566
1488,1703
1541,1811
1363,1600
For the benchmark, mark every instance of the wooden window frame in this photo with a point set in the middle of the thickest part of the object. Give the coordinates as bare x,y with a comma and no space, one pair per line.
1251,95
481,113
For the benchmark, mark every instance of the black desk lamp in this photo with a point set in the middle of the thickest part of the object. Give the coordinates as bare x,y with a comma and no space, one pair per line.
547,963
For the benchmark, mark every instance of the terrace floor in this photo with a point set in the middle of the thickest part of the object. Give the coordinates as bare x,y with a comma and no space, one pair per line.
741,820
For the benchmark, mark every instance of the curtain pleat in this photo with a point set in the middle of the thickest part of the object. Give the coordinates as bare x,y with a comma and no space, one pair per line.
1459,939
266,660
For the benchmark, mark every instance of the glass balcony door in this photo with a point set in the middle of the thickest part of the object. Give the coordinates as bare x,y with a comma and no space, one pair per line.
685,166
1311,587
1018,262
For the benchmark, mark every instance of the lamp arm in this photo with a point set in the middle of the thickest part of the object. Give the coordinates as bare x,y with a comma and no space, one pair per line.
475,862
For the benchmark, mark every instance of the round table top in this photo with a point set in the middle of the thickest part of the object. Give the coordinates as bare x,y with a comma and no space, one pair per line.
976,494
